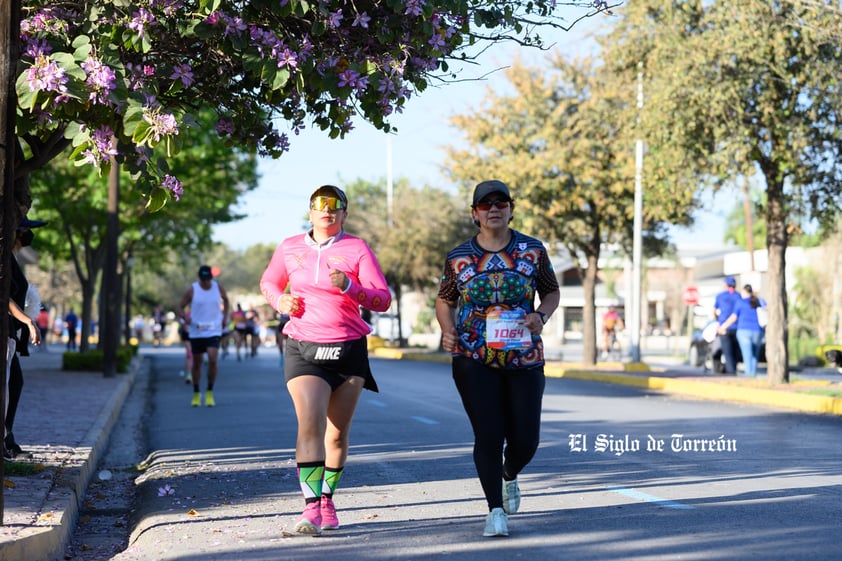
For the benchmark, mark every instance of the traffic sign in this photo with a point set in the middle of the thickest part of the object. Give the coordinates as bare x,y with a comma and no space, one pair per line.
691,295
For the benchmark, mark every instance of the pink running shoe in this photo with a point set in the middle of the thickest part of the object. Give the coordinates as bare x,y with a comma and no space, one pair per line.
311,520
329,519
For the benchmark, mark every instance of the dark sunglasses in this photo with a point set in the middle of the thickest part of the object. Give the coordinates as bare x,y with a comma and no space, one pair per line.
486,206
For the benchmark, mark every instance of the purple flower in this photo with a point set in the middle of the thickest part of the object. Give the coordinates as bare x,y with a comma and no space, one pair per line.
37,47
437,42
361,20
335,19
168,6
100,81
105,142
46,75
161,124
184,73
352,78
224,127
173,185
141,20
234,26
414,7
283,143
287,58
306,48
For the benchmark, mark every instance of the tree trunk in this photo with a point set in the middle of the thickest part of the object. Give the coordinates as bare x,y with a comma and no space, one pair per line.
777,331
589,342
109,317
398,314
86,315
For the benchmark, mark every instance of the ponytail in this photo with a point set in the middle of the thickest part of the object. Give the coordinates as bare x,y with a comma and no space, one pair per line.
753,300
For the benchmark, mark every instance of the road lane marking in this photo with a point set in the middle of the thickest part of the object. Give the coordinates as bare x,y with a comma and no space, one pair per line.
376,402
646,497
425,420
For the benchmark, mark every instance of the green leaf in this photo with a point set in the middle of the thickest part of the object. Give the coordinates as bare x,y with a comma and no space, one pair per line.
26,99
157,199
141,132
281,78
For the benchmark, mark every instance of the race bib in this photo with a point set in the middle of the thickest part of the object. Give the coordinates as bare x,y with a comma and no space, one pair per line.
505,330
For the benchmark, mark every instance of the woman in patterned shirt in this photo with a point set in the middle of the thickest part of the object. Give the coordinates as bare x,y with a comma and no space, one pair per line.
486,310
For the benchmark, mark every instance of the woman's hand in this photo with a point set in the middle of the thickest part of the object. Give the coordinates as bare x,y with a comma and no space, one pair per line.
338,279
534,323
34,333
291,305
450,340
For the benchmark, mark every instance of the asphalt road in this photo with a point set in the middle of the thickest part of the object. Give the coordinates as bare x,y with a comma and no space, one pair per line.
221,482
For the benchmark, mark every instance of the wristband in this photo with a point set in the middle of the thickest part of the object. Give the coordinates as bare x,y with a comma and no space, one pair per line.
543,317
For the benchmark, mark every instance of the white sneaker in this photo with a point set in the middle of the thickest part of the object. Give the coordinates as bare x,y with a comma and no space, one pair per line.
496,524
511,496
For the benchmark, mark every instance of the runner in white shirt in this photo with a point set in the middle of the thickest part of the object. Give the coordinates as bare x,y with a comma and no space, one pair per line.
208,313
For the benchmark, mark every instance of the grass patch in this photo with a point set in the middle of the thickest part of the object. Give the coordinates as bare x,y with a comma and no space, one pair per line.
827,392
22,468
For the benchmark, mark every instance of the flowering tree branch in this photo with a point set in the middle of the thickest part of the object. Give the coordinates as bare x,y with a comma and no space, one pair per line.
123,78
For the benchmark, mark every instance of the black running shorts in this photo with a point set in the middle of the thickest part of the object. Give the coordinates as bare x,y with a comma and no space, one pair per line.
332,362
201,345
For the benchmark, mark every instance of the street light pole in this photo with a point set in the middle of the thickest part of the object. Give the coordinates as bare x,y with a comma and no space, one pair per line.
637,245
389,184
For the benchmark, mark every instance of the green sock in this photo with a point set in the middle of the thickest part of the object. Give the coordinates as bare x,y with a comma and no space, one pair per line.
331,481
310,477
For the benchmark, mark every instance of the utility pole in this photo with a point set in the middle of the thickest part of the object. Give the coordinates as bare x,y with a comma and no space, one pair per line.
389,181
637,245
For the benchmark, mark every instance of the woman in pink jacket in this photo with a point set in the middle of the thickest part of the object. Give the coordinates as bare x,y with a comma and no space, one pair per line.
329,275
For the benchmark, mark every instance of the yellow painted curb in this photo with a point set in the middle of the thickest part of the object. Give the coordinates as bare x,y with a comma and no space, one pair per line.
710,390
399,354
691,388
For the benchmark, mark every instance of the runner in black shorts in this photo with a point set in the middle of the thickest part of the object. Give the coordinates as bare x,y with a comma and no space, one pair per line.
319,280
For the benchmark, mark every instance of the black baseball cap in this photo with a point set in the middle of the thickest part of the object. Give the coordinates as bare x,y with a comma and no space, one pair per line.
205,272
486,188
27,223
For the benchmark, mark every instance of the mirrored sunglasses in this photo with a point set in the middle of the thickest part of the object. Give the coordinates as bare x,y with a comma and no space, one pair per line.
486,205
327,203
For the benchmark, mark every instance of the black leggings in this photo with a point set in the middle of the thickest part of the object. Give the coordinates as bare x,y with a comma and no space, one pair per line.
504,406
15,389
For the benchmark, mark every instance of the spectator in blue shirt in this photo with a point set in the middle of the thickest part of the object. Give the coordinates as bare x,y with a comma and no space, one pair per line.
71,322
723,307
749,330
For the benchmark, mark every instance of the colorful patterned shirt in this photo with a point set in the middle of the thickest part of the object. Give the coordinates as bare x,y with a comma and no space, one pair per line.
490,284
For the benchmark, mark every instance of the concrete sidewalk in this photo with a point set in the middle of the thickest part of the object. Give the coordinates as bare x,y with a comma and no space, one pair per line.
64,420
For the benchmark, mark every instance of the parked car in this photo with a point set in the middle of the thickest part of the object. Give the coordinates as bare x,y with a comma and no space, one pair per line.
706,350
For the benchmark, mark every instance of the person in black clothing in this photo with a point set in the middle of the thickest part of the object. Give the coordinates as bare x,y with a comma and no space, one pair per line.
20,332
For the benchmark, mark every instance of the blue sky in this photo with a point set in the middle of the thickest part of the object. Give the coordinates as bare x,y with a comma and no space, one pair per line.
275,209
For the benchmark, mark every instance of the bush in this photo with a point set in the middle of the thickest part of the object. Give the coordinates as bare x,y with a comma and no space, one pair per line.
94,361
802,347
